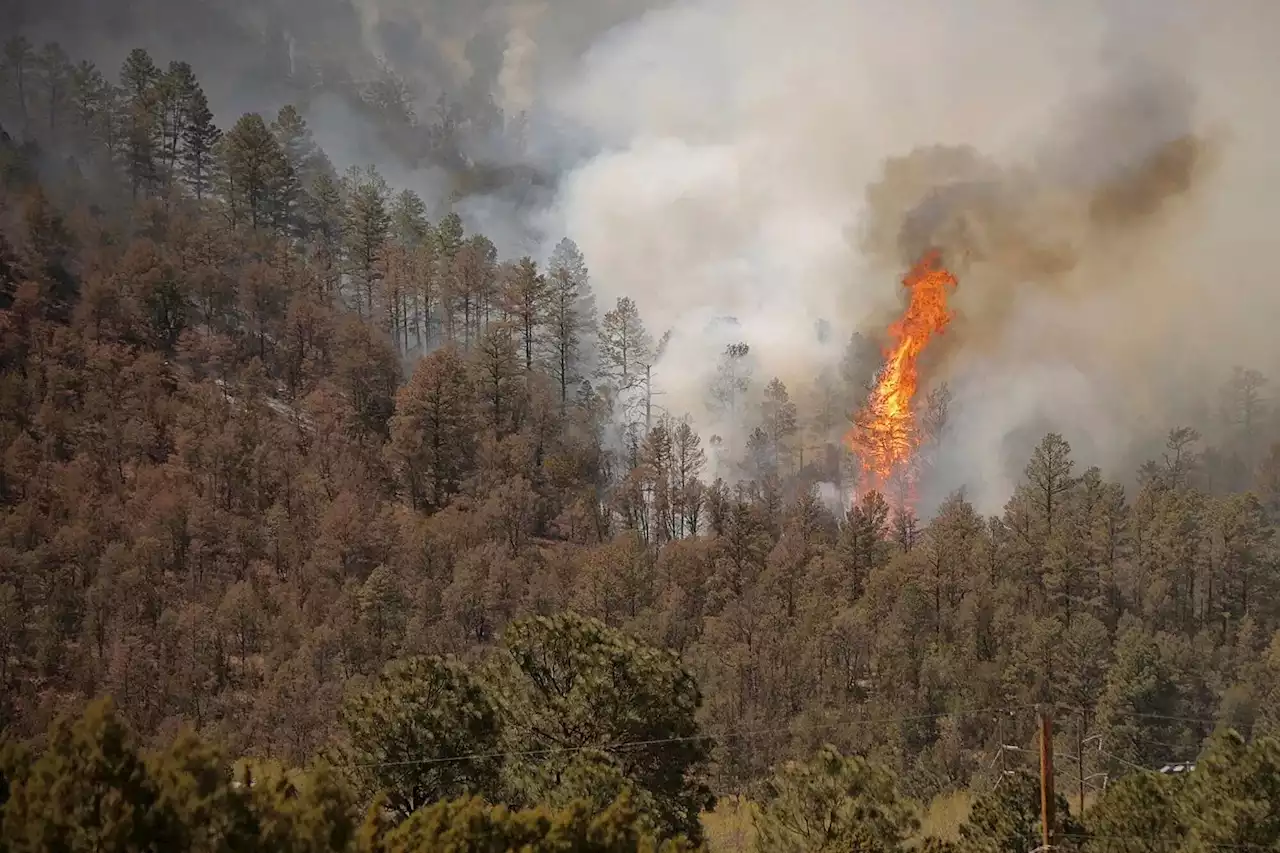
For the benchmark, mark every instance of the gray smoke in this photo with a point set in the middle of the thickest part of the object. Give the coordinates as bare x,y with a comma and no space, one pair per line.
1099,174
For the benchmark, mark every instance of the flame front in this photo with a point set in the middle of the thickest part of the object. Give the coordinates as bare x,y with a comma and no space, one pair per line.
885,434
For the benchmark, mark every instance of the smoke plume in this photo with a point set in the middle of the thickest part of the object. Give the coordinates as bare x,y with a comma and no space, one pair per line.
1097,175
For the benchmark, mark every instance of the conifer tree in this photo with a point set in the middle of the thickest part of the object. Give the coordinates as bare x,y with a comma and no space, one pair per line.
326,221
175,93
139,78
252,164
570,317
19,64
55,84
367,227
200,138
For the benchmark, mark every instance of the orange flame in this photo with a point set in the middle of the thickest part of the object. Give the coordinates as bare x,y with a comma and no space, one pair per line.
885,434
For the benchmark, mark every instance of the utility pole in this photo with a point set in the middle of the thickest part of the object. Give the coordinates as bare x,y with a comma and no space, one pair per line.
1046,777
1000,753
1080,756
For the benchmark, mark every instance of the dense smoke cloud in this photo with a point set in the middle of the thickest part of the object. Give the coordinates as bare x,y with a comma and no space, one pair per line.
485,62
1100,174
254,55
1133,156
1094,172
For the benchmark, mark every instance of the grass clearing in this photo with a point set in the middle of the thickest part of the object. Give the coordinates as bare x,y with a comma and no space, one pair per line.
943,817
729,829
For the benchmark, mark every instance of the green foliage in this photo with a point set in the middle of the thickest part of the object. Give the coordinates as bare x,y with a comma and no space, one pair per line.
1143,705
276,810
470,825
591,707
367,228
199,142
938,845
424,731
1008,818
1232,799
256,172
89,790
409,219
833,803
1139,813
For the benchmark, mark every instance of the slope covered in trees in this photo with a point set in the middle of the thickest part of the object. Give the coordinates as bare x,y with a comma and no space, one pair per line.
284,462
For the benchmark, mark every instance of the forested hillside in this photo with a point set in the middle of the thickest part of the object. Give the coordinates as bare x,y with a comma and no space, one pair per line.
291,470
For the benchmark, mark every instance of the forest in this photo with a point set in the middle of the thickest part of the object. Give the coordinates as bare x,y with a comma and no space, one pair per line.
324,527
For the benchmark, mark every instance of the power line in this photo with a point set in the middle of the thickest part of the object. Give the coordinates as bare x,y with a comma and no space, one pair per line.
1125,762
1165,717
638,744
1152,839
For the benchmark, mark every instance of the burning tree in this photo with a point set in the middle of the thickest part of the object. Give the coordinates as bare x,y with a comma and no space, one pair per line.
885,433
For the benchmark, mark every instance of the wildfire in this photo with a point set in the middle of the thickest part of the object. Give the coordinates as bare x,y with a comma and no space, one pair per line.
885,434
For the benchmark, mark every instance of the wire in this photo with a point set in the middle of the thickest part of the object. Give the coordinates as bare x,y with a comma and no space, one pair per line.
1084,836
1141,715
1125,762
485,756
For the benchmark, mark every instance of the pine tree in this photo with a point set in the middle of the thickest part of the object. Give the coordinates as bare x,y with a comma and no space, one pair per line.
833,802
779,421
368,225
55,85
252,165
449,237
142,127
326,218
86,92
89,790
409,219
1049,479
688,462
625,345
285,210
524,301
470,285
175,94
434,430
567,679
301,158
733,379
138,75
570,316
414,237
111,125
19,62
416,706
295,139
200,139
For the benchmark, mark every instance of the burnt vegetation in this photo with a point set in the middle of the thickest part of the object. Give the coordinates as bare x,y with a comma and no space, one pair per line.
300,478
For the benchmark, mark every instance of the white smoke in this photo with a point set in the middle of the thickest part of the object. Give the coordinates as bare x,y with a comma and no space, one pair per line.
516,79
736,139
720,151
